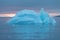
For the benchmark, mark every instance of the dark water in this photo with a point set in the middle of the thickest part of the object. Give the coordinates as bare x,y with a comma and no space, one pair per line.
29,32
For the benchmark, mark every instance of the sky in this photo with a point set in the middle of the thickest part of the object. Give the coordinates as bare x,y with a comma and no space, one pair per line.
35,4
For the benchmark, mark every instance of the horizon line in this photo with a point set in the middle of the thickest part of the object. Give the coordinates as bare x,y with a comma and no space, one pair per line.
13,14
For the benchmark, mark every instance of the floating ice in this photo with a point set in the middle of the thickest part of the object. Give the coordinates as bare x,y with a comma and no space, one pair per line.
25,17
31,17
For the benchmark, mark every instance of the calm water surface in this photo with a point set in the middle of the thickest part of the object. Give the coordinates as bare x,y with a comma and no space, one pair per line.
29,32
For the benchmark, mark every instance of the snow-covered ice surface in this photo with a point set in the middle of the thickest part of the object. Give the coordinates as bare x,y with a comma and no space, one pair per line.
31,17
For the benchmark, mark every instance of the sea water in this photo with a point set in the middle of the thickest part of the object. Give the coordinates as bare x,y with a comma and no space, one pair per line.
29,32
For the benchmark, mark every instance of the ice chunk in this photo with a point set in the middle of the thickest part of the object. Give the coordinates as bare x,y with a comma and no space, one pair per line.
45,17
25,17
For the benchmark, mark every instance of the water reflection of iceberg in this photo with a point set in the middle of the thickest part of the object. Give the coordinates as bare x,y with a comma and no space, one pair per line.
32,32
31,17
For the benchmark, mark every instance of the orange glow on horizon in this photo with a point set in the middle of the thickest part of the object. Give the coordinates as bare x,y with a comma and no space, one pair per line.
13,14
7,15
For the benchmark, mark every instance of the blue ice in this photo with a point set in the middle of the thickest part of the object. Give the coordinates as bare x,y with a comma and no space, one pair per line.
31,17
25,17
46,18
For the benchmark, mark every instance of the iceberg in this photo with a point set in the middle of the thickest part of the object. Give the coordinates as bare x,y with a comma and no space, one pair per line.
46,18
31,17
25,17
